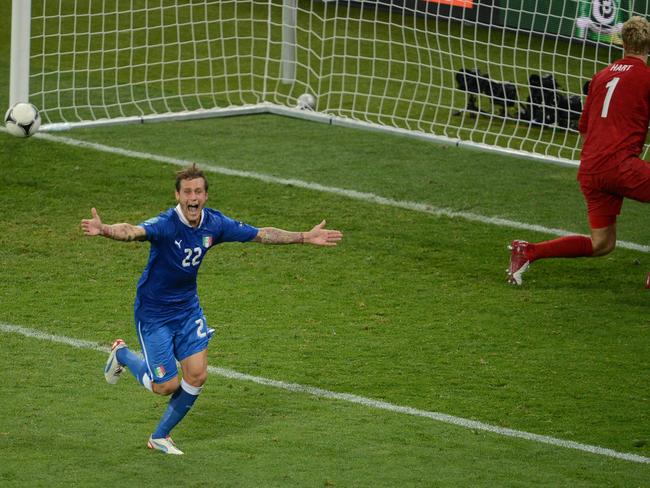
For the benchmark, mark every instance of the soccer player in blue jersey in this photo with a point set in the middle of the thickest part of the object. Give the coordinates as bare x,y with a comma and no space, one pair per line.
169,320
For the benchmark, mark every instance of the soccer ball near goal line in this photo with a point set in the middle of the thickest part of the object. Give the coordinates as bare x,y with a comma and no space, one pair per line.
22,120
306,101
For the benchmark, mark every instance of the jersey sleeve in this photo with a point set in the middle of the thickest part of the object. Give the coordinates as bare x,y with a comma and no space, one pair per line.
232,230
157,227
584,116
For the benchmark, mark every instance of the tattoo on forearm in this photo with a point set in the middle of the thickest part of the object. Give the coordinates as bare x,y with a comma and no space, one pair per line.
129,234
107,231
271,235
119,232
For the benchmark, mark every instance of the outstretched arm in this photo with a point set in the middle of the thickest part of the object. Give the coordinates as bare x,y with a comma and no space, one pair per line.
118,232
319,236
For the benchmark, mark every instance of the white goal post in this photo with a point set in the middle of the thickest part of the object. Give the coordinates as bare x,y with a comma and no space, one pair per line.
505,75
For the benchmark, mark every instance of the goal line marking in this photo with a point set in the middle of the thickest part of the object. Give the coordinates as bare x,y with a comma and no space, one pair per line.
359,400
356,195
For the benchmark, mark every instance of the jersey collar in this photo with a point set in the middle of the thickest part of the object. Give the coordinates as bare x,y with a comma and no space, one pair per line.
631,59
182,218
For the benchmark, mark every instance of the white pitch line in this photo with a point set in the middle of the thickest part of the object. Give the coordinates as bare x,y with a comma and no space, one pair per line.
359,400
356,195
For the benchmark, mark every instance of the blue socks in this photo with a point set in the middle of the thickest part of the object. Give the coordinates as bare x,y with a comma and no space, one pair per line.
136,365
179,404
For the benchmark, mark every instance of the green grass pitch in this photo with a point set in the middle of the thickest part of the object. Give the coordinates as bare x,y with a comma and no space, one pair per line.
411,309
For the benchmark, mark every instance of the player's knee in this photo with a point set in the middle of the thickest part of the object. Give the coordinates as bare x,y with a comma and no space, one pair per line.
603,240
603,247
198,378
166,388
603,250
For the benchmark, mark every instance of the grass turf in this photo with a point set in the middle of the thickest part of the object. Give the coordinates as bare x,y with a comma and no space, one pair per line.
410,309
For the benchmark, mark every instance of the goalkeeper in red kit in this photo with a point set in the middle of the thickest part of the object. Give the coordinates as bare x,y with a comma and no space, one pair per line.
613,127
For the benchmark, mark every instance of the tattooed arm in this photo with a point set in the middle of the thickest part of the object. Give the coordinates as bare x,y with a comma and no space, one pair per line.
319,236
118,232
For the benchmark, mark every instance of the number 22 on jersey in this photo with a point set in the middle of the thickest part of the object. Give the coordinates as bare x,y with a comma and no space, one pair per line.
192,257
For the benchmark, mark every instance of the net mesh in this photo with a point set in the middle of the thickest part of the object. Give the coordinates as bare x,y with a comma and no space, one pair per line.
507,74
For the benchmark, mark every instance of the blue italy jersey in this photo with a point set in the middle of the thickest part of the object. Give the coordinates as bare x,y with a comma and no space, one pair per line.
168,283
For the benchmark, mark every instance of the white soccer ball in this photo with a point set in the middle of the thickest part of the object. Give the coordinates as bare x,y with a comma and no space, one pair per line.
306,101
22,120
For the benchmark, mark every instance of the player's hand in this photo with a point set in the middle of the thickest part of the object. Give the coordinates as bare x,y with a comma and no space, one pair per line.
320,236
92,227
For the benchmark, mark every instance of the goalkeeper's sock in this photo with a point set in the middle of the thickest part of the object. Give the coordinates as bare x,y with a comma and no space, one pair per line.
179,404
563,247
136,365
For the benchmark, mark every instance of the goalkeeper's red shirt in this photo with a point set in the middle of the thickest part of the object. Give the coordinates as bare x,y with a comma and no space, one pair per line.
614,121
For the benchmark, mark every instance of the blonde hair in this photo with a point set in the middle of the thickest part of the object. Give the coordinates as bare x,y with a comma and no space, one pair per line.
636,35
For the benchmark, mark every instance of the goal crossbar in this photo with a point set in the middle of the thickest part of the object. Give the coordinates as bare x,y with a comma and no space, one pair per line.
486,74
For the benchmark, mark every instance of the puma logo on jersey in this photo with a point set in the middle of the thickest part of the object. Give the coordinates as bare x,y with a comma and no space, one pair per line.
178,243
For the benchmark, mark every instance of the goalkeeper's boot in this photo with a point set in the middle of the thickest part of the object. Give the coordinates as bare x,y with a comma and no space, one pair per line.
519,261
165,444
113,368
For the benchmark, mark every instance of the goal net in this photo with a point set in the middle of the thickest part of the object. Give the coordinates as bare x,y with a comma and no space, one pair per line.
498,74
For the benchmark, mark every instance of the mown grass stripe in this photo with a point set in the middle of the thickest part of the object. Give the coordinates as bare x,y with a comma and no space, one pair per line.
359,400
353,194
